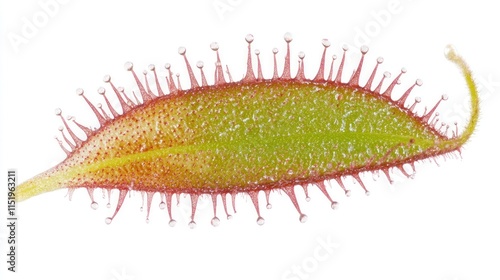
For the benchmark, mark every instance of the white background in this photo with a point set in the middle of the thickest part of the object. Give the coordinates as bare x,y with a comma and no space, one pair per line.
441,225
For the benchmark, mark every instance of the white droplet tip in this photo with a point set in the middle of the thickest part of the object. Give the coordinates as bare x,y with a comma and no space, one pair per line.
302,55
444,97
199,64
403,70
275,50
101,91
326,43
108,220
151,67
129,66
94,205
303,218
380,59
269,206
172,223
419,82
215,221
288,37
214,46
387,74
106,78
192,224
58,111
249,38
182,50
345,47
257,52
162,205
308,199
260,221
167,66
364,49
335,204
79,91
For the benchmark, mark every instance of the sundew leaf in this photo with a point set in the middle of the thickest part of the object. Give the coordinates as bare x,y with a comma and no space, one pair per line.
249,136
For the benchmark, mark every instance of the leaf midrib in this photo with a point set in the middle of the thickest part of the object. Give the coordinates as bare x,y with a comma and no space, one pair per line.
263,142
